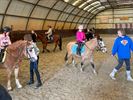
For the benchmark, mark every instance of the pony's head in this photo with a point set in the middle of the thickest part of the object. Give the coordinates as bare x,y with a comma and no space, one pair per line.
102,46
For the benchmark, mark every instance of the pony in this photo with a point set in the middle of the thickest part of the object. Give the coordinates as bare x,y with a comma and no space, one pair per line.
86,52
57,39
15,53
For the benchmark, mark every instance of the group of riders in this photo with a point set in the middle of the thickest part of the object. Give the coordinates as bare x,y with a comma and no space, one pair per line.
122,43
81,37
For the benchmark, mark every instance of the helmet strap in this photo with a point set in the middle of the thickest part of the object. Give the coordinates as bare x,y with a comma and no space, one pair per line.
5,34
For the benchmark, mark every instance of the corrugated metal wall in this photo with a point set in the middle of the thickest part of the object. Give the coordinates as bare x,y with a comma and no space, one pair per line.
113,19
38,14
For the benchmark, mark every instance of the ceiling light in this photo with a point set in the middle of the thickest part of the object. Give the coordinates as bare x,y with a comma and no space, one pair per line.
84,3
76,2
66,0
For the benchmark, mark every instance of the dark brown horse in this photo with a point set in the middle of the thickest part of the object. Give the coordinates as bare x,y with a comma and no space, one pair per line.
57,40
14,55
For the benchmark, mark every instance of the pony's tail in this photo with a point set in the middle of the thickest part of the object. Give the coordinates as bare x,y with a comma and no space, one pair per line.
60,41
66,58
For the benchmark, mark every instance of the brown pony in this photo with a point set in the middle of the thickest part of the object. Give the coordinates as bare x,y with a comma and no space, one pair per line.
57,39
14,55
87,53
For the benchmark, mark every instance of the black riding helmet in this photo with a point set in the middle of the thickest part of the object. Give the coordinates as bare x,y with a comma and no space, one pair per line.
6,29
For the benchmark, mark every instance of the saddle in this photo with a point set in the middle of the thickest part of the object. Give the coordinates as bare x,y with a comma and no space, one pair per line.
2,55
75,49
51,38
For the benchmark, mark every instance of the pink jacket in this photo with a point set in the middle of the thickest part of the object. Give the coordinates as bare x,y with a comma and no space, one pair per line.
4,41
80,36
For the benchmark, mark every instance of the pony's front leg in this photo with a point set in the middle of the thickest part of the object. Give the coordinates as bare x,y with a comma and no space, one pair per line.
82,64
9,72
55,46
16,71
93,66
73,61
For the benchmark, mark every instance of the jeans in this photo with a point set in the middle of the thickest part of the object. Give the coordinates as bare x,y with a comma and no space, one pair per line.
34,68
127,62
80,45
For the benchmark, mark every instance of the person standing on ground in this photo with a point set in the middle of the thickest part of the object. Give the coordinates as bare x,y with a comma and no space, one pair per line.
33,49
122,46
34,36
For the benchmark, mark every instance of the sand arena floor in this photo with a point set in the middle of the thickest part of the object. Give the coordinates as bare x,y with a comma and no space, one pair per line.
62,82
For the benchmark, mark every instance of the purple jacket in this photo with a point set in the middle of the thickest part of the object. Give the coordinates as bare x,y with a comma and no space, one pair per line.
80,36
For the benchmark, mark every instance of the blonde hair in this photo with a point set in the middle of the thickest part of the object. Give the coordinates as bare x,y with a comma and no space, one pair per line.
80,27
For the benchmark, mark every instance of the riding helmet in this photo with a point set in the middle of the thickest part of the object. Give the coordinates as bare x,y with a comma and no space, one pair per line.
6,29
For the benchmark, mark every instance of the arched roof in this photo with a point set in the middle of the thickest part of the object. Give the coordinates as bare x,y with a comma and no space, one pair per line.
72,12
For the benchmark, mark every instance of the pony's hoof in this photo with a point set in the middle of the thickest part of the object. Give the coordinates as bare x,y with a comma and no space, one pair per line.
95,72
66,63
73,65
81,69
19,87
9,88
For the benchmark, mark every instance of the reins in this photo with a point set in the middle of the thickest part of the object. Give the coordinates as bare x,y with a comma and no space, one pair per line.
88,47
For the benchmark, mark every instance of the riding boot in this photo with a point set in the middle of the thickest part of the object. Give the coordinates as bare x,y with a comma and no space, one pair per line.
31,81
39,83
129,78
112,74
79,53
1,55
78,50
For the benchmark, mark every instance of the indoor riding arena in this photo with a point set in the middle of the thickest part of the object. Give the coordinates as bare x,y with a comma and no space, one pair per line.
62,79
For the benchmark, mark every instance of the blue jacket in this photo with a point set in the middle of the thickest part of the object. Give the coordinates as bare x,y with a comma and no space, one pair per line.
123,46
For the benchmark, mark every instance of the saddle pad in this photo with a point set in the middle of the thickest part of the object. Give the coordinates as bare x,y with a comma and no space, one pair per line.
74,49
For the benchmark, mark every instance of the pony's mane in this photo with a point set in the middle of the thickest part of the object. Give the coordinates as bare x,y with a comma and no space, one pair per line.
92,43
16,44
92,40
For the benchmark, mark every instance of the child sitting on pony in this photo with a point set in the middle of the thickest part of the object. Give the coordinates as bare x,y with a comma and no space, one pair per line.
80,37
